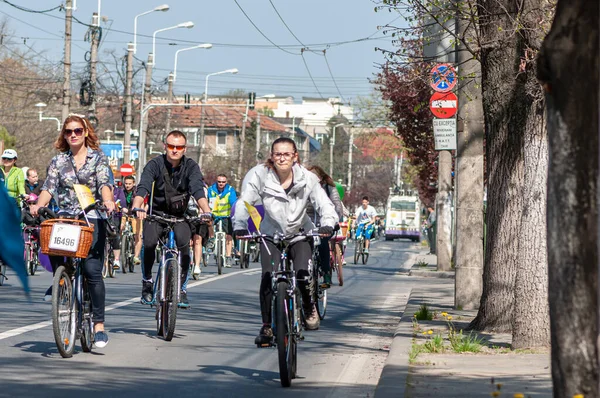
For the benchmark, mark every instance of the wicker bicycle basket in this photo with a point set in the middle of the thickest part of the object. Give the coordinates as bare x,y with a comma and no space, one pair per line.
85,238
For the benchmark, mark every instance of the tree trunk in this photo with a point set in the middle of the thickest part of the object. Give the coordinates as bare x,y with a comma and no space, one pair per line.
568,66
514,289
506,107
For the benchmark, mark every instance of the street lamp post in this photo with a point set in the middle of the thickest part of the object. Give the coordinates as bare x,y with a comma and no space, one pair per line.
164,7
331,144
188,25
233,71
41,106
173,77
200,152
131,49
147,97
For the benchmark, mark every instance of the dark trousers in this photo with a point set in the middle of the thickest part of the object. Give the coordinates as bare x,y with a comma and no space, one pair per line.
324,255
92,269
301,254
152,232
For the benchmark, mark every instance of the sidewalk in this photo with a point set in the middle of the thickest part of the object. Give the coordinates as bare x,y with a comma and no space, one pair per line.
411,372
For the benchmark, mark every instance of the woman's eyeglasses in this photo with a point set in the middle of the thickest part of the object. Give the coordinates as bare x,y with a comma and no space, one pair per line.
175,147
78,131
284,155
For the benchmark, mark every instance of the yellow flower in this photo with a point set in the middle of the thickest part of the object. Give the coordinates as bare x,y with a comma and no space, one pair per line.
578,396
499,386
449,318
430,331
444,314
495,393
415,315
518,395
424,332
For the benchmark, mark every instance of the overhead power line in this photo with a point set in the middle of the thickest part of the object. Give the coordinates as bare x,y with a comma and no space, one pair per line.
333,78
260,31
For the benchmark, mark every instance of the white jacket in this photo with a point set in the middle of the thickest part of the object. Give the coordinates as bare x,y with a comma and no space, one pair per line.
284,213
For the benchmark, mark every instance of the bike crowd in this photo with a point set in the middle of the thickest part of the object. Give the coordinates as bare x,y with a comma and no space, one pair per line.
84,226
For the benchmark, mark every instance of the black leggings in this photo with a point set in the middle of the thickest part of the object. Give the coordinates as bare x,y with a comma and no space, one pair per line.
92,269
152,232
301,254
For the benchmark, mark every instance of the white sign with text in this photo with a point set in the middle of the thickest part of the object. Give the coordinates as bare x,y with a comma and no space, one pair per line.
65,237
444,133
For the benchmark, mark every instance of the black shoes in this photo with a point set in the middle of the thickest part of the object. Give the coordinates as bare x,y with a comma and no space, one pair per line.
147,292
265,336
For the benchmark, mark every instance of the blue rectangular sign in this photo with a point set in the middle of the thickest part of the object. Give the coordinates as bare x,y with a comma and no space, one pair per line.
114,150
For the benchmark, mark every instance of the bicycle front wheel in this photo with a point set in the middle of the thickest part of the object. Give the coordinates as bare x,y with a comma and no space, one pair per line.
64,313
284,334
321,299
169,304
87,335
106,260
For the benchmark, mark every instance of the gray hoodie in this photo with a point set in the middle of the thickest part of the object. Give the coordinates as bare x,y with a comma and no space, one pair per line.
284,213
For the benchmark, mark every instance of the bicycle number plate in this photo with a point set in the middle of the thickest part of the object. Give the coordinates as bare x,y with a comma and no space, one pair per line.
65,237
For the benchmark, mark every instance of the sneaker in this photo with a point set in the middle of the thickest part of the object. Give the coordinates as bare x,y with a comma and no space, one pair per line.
137,261
326,281
183,300
100,339
117,265
366,251
228,261
344,263
265,336
48,294
197,270
147,292
311,318
210,245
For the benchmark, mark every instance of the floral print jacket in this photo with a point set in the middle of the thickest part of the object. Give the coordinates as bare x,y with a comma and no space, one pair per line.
95,174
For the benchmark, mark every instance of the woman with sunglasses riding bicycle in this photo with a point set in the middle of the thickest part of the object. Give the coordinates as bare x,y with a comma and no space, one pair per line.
81,161
284,187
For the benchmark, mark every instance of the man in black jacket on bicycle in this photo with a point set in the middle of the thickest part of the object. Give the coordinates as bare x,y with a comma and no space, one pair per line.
170,180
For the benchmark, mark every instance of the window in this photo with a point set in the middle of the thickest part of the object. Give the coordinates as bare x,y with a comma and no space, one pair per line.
320,138
407,206
222,139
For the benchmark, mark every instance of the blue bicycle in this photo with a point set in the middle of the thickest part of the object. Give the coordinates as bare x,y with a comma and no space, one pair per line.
166,294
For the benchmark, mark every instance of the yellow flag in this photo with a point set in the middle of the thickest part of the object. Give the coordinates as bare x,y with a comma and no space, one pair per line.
84,195
254,215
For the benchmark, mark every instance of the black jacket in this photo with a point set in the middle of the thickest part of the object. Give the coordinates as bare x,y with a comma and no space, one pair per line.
186,178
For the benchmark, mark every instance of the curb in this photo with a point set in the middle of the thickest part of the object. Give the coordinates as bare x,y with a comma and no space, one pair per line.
431,274
393,379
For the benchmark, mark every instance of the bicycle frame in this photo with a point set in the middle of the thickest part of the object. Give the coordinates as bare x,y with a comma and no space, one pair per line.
220,239
169,250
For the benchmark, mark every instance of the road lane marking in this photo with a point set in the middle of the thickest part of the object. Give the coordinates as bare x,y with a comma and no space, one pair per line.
40,325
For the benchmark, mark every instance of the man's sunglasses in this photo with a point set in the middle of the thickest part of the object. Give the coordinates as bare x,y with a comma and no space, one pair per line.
78,131
175,147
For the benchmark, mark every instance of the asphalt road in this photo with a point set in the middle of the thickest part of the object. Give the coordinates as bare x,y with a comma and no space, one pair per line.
213,352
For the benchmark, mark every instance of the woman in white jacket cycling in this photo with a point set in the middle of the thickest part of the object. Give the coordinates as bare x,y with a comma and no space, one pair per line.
284,187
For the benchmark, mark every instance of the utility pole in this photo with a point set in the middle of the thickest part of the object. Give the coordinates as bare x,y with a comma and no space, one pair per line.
257,137
67,60
468,284
201,144
444,211
169,101
350,145
128,106
94,35
242,147
146,98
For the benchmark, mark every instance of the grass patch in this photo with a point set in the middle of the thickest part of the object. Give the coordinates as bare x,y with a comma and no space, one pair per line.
465,343
415,350
434,345
424,314
422,263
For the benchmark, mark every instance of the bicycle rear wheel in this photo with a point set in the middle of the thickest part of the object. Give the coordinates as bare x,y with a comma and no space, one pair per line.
158,303
284,335
365,257
34,259
124,253
357,249
28,259
339,260
87,327
111,262
105,263
64,313
169,311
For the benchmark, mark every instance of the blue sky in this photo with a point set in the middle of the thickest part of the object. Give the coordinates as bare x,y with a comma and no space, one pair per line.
263,68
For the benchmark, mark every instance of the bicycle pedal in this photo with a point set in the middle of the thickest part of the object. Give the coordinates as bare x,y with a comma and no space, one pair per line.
184,306
264,345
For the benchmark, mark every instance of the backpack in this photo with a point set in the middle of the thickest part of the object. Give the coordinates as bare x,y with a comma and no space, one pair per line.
176,201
